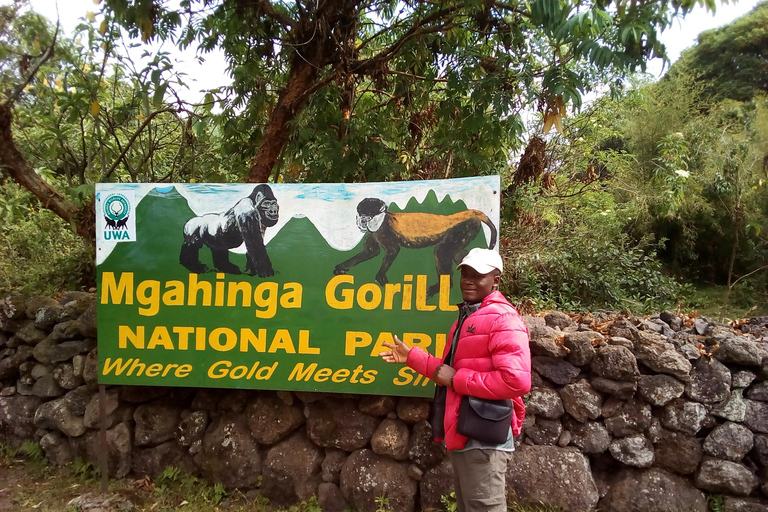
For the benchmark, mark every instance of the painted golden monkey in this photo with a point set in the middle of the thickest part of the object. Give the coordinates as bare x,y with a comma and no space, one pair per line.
450,235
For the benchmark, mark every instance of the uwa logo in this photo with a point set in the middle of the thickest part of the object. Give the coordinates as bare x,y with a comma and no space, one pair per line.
117,215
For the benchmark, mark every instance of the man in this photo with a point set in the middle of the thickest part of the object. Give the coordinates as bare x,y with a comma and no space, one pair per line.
488,357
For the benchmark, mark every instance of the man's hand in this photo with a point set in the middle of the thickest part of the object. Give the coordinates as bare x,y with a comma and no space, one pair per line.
398,352
443,375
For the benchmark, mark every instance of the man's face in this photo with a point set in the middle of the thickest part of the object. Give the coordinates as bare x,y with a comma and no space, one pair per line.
476,286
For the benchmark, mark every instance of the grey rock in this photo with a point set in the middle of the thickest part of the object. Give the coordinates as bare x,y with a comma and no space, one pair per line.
652,490
582,346
339,424
60,415
95,502
91,418
555,370
633,417
761,449
153,461
615,362
91,368
558,320
700,326
422,448
623,328
40,370
709,382
412,410
143,394
729,441
436,483
581,400
9,365
678,452
659,390
64,375
156,423
737,350
63,331
291,471
734,408
591,437
30,334
271,420
618,388
332,463
375,405
733,504
758,392
634,450
47,387
47,316
88,447
36,302
544,402
683,416
726,477
671,319
68,349
742,379
330,498
544,431
391,439
529,466
660,356
367,476
621,342
57,449
17,415
756,416
192,428
548,346
229,454
78,363
87,322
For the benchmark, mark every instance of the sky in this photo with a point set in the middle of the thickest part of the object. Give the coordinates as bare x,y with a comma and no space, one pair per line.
212,73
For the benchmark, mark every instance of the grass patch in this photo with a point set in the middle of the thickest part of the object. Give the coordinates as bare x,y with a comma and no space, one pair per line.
715,303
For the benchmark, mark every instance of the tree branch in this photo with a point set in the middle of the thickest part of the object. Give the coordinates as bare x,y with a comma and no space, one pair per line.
46,55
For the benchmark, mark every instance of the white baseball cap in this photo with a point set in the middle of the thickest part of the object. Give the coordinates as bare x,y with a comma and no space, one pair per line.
483,260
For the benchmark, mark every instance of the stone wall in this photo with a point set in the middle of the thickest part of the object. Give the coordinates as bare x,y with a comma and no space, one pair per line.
625,414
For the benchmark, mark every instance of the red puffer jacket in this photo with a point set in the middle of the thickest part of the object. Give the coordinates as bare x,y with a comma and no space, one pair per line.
493,361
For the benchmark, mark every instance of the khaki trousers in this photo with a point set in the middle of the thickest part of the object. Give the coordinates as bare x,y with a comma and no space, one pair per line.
480,480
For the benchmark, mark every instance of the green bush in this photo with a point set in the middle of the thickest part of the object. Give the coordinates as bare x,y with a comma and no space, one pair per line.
39,253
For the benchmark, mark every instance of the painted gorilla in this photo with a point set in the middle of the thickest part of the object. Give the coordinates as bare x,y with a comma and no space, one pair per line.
245,222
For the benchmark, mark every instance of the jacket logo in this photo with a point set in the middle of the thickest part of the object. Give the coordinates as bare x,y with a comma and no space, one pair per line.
471,329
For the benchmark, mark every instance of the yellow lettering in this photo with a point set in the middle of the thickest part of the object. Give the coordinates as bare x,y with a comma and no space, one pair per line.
304,347
291,298
354,340
340,375
125,334
160,336
215,373
445,294
218,298
174,293
421,294
183,371
214,340
282,341
154,370
417,339
323,374
379,347
195,287
112,292
406,374
269,301
407,292
116,365
183,333
390,290
247,337
347,295
244,287
362,296
168,368
299,373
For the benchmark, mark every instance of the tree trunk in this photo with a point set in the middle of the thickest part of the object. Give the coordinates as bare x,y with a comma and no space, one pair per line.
25,175
301,78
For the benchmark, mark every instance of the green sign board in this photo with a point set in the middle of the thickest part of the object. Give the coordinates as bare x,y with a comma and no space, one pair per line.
282,286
